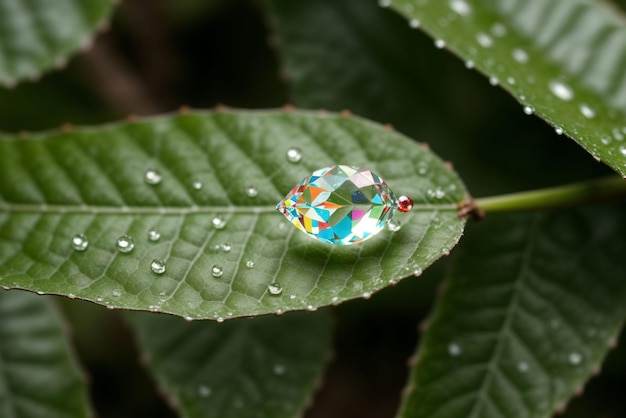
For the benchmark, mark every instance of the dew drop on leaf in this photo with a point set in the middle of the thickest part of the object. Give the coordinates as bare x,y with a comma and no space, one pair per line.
80,242
125,244
520,56
154,235
216,271
251,191
461,7
226,247
587,112
394,225
158,266
529,110
440,43
117,293
454,349
250,264
575,358
275,289
294,155
218,222
152,177
484,40
196,185
204,391
522,366
561,90
414,23
279,369
622,151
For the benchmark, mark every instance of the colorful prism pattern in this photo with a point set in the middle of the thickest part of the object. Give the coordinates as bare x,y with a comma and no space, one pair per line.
340,204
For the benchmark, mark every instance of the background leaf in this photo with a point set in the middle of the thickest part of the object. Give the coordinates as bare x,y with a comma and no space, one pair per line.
37,35
38,374
268,367
562,60
532,304
93,182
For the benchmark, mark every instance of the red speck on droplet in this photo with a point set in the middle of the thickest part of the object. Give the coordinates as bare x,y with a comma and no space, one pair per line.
405,204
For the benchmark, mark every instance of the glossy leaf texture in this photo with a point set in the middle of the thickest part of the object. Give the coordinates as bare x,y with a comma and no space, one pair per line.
563,60
221,245
34,343
38,35
266,368
532,304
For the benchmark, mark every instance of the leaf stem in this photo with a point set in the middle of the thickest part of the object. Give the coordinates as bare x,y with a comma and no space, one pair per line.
555,197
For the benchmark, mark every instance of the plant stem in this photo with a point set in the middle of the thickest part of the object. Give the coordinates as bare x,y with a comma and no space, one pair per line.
555,197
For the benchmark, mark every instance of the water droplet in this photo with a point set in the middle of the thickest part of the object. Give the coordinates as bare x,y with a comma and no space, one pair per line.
39,292
484,40
226,247
440,43
498,29
294,155
275,289
417,272
250,264
469,64
252,191
153,177
204,391
219,319
367,295
158,266
154,308
587,112
384,3
216,271
196,185
558,130
218,222
393,225
154,235
454,349
116,293
461,7
520,56
279,369
522,366
575,358
71,296
510,80
529,110
561,90
493,81
414,23
292,297
606,140
311,308
80,242
622,150
125,244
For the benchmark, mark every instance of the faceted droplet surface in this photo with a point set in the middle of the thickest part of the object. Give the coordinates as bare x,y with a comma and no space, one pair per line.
339,204
157,266
80,242
153,177
196,185
125,244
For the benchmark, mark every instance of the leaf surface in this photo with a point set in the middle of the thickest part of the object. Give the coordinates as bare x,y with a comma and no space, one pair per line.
265,368
564,60
37,35
39,376
93,182
533,303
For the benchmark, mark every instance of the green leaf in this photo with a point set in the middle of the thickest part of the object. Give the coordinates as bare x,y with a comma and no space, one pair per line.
93,182
39,376
37,35
266,368
563,60
532,305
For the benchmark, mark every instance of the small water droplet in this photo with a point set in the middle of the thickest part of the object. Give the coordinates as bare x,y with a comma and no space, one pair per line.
154,235
558,130
454,349
622,150
250,264
125,244
292,297
158,266
218,222
414,23
216,271
311,308
252,191
196,185
39,292
561,90
587,111
510,80
275,289
226,247
461,7
522,366
294,155
498,29
469,64
117,293
484,40
219,319
494,81
71,296
153,177
154,308
529,110
520,56
80,242
279,369
367,295
440,43
384,3
394,225
575,358
204,391
417,272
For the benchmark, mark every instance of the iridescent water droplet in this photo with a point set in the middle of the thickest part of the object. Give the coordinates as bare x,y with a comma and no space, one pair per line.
226,247
394,225
218,222
152,177
294,155
454,349
125,244
116,293
80,242
275,289
252,191
154,235
587,111
575,358
561,90
157,266
250,264
216,271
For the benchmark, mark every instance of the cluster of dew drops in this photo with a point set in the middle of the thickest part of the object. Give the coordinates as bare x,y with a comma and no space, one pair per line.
125,244
557,87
